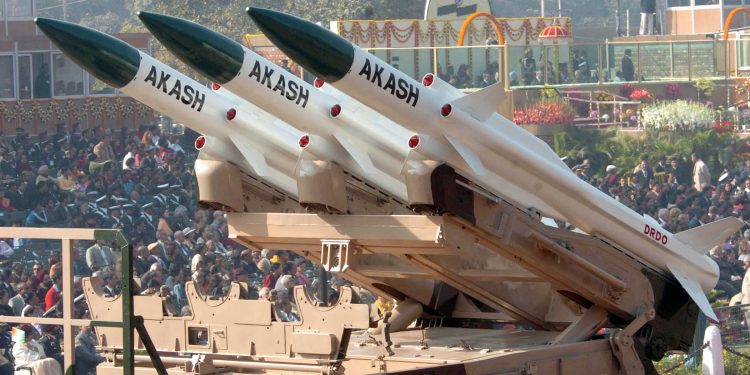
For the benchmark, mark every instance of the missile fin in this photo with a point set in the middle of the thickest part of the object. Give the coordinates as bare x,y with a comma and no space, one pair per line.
255,159
469,156
483,103
357,153
695,291
701,239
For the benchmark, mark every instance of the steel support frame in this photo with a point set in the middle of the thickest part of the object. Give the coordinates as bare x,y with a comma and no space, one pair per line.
67,236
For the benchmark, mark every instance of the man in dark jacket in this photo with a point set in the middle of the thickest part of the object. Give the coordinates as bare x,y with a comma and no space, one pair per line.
86,356
628,70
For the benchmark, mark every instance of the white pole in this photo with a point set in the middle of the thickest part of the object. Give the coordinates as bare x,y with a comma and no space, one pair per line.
559,8
542,6
627,22
713,361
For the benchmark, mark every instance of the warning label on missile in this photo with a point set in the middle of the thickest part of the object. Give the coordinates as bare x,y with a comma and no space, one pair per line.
288,89
186,94
399,88
655,234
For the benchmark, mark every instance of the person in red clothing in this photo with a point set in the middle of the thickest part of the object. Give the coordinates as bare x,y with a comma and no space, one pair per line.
53,294
269,281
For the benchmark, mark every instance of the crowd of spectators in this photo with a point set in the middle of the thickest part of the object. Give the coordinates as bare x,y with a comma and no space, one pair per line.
142,184
684,194
462,79
544,72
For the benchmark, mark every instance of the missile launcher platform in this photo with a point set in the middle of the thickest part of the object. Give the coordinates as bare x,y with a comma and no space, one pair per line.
450,227
544,300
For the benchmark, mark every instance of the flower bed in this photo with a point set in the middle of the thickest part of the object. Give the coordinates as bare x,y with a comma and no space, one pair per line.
546,112
678,115
723,126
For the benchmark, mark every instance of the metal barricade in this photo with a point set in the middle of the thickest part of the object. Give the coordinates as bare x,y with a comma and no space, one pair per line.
67,236
734,325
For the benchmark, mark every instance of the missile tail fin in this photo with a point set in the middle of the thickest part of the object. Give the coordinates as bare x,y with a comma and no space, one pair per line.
695,291
483,103
359,155
470,157
701,239
255,159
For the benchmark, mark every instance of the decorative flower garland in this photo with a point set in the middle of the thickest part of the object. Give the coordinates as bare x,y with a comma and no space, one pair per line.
12,113
70,108
94,108
24,114
112,108
416,27
91,107
56,110
45,113
125,108
77,112
28,114
373,36
743,86
143,110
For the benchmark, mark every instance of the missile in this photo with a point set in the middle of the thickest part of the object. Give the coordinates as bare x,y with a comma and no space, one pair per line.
513,153
277,91
182,98
372,140
214,148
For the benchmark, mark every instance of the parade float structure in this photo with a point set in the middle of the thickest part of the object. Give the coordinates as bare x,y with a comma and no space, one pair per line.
468,242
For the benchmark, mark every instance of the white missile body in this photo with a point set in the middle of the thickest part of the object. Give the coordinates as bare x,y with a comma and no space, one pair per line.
187,101
472,126
260,83
217,149
392,135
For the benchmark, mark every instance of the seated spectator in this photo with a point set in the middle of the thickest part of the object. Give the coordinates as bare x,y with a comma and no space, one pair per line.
30,353
86,356
169,305
51,343
5,309
285,311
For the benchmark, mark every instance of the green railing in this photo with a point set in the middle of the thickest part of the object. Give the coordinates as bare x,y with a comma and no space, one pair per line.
68,236
571,64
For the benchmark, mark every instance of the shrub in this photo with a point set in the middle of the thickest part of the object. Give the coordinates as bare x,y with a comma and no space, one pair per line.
641,95
724,126
678,115
705,86
546,112
672,91
626,89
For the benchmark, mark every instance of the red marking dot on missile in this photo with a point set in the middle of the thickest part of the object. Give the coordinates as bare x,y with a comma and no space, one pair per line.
446,110
304,141
231,114
200,142
318,83
335,110
215,86
428,79
414,141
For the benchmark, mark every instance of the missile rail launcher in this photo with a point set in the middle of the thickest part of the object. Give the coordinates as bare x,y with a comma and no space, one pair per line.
453,254
468,260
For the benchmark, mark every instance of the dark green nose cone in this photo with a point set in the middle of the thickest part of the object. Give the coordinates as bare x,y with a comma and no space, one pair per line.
318,50
105,57
212,54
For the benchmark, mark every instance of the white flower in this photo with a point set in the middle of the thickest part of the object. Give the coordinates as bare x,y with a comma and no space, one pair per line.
681,114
